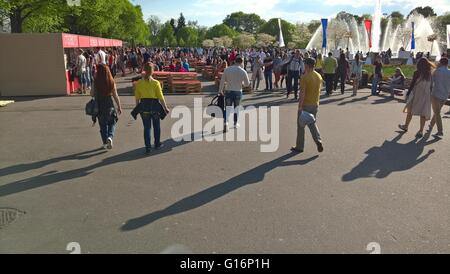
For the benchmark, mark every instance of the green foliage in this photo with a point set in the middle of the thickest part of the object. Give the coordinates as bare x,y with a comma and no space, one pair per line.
272,28
243,22
167,36
441,25
189,36
313,26
219,31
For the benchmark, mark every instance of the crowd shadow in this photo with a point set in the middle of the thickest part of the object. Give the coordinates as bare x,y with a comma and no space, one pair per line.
391,157
53,177
206,196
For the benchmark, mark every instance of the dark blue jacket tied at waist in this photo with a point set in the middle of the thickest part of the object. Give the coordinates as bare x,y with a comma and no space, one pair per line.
149,106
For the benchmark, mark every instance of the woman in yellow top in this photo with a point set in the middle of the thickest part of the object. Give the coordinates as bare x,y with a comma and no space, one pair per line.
148,93
319,64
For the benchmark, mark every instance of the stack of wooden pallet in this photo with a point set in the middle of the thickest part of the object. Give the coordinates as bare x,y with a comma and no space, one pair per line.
208,72
184,82
163,77
186,86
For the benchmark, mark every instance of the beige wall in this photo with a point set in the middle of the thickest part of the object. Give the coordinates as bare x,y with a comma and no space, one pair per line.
32,64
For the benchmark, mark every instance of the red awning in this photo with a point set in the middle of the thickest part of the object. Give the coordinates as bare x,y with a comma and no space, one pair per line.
81,41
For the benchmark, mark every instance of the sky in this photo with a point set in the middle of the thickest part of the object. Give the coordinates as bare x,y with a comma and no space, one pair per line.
211,12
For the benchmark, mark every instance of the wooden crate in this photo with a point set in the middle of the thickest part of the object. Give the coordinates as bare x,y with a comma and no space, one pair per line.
186,86
208,72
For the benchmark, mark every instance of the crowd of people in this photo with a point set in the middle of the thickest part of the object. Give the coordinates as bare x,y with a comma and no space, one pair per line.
304,73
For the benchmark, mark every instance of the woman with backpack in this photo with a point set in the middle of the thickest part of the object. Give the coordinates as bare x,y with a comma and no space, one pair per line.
105,91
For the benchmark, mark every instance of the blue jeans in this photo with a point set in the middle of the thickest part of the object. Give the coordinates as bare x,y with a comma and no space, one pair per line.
232,98
268,77
292,75
107,129
148,120
375,84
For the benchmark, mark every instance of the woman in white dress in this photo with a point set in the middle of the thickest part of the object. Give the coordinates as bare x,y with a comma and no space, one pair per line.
419,96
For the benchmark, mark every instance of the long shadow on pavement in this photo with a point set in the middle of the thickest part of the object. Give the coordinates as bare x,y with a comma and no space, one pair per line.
206,196
31,166
391,157
53,177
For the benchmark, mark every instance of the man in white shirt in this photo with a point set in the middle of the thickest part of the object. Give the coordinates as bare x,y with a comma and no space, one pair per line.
81,71
102,56
234,77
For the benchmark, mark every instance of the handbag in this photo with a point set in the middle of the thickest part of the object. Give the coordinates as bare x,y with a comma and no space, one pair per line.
216,102
92,108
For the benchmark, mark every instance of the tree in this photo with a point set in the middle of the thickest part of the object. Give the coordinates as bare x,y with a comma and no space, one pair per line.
154,26
244,41
217,42
397,18
243,22
189,35
272,28
425,11
264,40
219,31
314,25
167,36
301,36
441,25
208,43
181,22
18,11
226,41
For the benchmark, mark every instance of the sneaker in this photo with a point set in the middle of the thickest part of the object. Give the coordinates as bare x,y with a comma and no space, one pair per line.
158,147
237,125
403,127
419,135
147,151
296,150
320,147
439,134
109,144
105,146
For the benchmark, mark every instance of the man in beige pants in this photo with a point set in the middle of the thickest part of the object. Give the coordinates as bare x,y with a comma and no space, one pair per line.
440,94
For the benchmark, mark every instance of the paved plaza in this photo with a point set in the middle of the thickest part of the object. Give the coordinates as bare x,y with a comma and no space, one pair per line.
371,184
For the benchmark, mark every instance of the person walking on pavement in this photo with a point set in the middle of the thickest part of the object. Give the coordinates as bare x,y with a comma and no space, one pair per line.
149,95
343,68
295,68
105,91
419,96
440,94
234,78
311,84
329,70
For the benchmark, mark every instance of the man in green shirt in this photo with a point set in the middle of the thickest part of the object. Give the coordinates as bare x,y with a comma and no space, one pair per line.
329,69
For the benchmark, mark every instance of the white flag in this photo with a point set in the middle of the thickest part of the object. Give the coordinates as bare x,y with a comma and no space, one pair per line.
281,41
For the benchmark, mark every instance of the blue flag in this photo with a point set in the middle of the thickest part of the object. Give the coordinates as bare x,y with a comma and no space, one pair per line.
413,40
324,31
